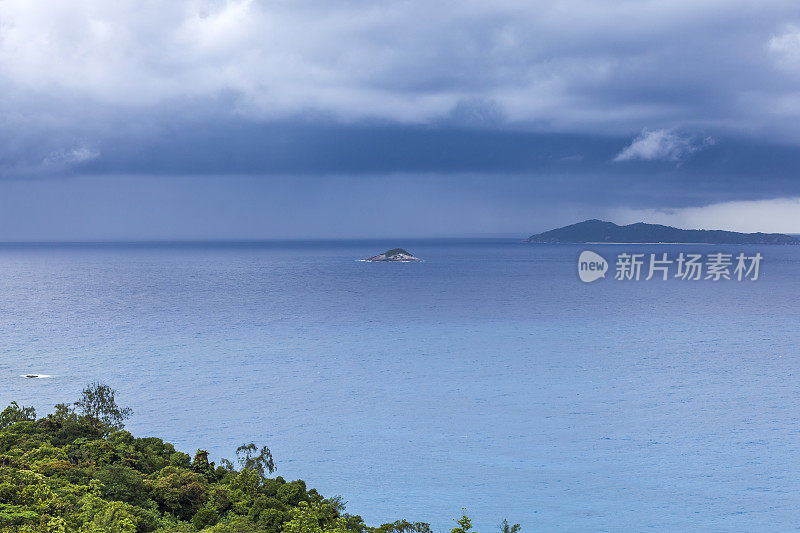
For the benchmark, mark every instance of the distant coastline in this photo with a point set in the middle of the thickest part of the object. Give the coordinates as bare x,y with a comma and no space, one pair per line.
603,232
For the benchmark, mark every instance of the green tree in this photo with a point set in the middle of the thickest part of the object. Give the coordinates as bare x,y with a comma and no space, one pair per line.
261,462
464,523
120,483
15,413
205,516
63,413
309,517
178,491
506,528
404,526
13,516
98,406
202,466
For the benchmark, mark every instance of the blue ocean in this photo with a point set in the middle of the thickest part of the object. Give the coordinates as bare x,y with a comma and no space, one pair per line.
488,377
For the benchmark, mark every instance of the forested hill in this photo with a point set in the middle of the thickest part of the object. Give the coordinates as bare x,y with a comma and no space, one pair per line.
600,231
77,470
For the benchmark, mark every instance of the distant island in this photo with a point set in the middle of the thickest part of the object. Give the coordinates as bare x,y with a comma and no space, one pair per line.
396,255
600,231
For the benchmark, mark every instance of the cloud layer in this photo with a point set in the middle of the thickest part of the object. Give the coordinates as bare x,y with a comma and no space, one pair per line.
548,103
564,64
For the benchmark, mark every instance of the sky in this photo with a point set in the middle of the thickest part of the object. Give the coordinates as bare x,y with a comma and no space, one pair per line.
195,119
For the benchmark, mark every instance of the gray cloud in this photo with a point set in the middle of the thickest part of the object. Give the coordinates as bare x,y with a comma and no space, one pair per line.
566,65
494,107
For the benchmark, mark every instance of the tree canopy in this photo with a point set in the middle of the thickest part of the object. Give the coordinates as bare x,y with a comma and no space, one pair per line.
99,408
77,471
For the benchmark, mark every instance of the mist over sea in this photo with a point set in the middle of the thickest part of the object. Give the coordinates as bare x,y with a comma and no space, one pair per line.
487,377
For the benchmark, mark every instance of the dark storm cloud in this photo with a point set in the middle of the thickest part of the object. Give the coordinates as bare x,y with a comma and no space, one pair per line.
575,65
627,103
650,167
673,166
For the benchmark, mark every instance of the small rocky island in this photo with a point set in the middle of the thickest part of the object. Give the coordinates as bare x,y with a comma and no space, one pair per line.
395,255
600,231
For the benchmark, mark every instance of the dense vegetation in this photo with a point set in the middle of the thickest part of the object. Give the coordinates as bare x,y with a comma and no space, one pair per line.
78,470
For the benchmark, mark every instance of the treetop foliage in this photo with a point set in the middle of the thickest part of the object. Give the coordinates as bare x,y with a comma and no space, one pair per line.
99,408
77,471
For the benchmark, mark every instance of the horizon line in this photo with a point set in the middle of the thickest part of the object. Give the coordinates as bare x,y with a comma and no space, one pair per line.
235,241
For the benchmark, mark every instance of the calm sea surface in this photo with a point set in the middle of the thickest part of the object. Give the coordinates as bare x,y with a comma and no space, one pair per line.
488,377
